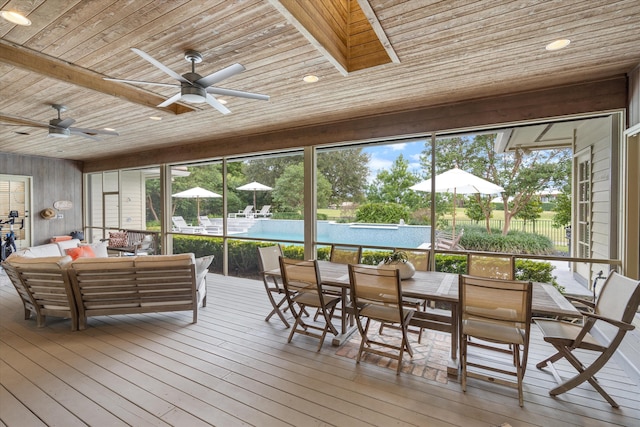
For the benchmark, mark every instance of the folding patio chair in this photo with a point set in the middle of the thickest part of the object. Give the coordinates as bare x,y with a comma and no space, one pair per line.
494,266
301,280
612,315
268,259
376,295
494,312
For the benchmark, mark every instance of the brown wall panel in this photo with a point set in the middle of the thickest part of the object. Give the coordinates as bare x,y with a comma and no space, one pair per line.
53,180
556,102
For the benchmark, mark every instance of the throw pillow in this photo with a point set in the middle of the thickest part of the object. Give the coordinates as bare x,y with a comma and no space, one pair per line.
118,239
81,252
99,248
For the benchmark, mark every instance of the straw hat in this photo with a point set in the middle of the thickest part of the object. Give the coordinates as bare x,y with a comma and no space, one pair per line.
48,213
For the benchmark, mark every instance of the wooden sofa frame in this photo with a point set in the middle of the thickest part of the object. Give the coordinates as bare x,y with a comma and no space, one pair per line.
133,290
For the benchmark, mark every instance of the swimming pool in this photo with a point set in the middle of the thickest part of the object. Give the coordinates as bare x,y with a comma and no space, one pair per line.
387,235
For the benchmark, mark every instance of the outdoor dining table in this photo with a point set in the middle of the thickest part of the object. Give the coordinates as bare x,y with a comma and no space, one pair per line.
442,287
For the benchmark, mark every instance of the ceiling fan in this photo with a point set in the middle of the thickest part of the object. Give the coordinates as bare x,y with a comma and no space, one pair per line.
58,128
193,87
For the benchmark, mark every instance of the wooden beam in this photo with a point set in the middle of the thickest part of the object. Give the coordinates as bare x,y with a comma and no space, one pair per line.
305,24
375,24
55,68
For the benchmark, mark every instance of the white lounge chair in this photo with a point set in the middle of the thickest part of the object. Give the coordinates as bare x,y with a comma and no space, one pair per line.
181,226
264,212
245,213
208,225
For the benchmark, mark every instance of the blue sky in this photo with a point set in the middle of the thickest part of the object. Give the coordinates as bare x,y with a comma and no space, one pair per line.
383,156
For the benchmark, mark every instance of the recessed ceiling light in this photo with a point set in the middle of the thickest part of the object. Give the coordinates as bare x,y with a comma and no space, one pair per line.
558,44
15,17
155,118
310,78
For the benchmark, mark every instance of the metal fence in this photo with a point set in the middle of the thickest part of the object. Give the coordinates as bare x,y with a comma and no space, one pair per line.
540,226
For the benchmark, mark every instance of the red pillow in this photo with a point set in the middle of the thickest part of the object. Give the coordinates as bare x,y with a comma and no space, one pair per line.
81,252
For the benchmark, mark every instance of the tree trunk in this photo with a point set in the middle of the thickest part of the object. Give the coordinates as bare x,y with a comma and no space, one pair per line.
153,211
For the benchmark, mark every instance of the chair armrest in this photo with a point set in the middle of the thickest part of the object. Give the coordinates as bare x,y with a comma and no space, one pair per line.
616,323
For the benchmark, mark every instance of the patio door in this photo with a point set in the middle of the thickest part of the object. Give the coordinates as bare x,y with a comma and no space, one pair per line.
15,195
582,233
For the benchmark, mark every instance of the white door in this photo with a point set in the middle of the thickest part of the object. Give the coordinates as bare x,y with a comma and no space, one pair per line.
15,195
582,225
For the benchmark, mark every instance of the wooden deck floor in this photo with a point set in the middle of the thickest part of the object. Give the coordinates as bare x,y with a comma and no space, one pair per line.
233,368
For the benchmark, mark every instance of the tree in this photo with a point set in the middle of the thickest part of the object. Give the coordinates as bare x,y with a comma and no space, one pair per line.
520,173
289,189
531,211
346,169
562,217
392,186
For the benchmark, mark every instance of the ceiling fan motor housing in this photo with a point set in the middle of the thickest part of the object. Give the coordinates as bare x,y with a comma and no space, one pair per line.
190,92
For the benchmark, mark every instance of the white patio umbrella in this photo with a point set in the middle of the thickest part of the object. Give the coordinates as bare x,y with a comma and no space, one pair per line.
196,193
458,181
254,186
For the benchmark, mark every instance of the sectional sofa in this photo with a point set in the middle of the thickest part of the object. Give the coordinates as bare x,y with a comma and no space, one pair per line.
51,283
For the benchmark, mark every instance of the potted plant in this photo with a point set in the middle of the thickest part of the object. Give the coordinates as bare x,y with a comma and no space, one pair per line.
399,261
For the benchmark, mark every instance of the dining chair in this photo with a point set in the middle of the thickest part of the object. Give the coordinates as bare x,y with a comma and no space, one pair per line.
269,260
303,288
420,260
493,266
376,295
613,313
494,312
342,254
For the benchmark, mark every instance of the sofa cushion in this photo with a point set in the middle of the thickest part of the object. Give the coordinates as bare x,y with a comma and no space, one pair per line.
165,260
48,250
99,248
41,263
67,244
103,263
81,252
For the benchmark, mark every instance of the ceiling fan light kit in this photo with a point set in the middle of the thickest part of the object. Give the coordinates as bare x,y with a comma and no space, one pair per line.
193,87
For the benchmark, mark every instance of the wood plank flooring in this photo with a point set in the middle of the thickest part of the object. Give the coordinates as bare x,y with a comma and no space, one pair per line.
232,368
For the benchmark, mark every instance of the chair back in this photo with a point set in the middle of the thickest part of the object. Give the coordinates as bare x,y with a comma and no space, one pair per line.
419,258
300,276
495,301
491,266
269,257
619,298
247,210
179,222
345,254
376,286
265,210
204,221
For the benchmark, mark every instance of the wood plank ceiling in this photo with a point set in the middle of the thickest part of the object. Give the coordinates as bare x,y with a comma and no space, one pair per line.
433,53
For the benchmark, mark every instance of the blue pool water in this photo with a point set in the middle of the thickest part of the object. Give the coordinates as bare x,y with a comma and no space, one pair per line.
387,235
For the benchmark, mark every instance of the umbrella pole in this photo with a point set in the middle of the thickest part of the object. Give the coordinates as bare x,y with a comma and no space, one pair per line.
453,227
255,208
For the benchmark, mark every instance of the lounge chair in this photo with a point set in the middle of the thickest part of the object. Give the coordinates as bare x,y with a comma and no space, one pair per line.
264,212
181,226
208,225
245,213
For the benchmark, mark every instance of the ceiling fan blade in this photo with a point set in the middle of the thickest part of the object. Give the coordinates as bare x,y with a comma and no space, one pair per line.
139,82
220,75
65,123
241,94
159,65
87,135
217,105
171,100
19,121
81,131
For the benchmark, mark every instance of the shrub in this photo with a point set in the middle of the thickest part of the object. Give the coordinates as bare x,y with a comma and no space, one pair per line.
382,213
476,238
